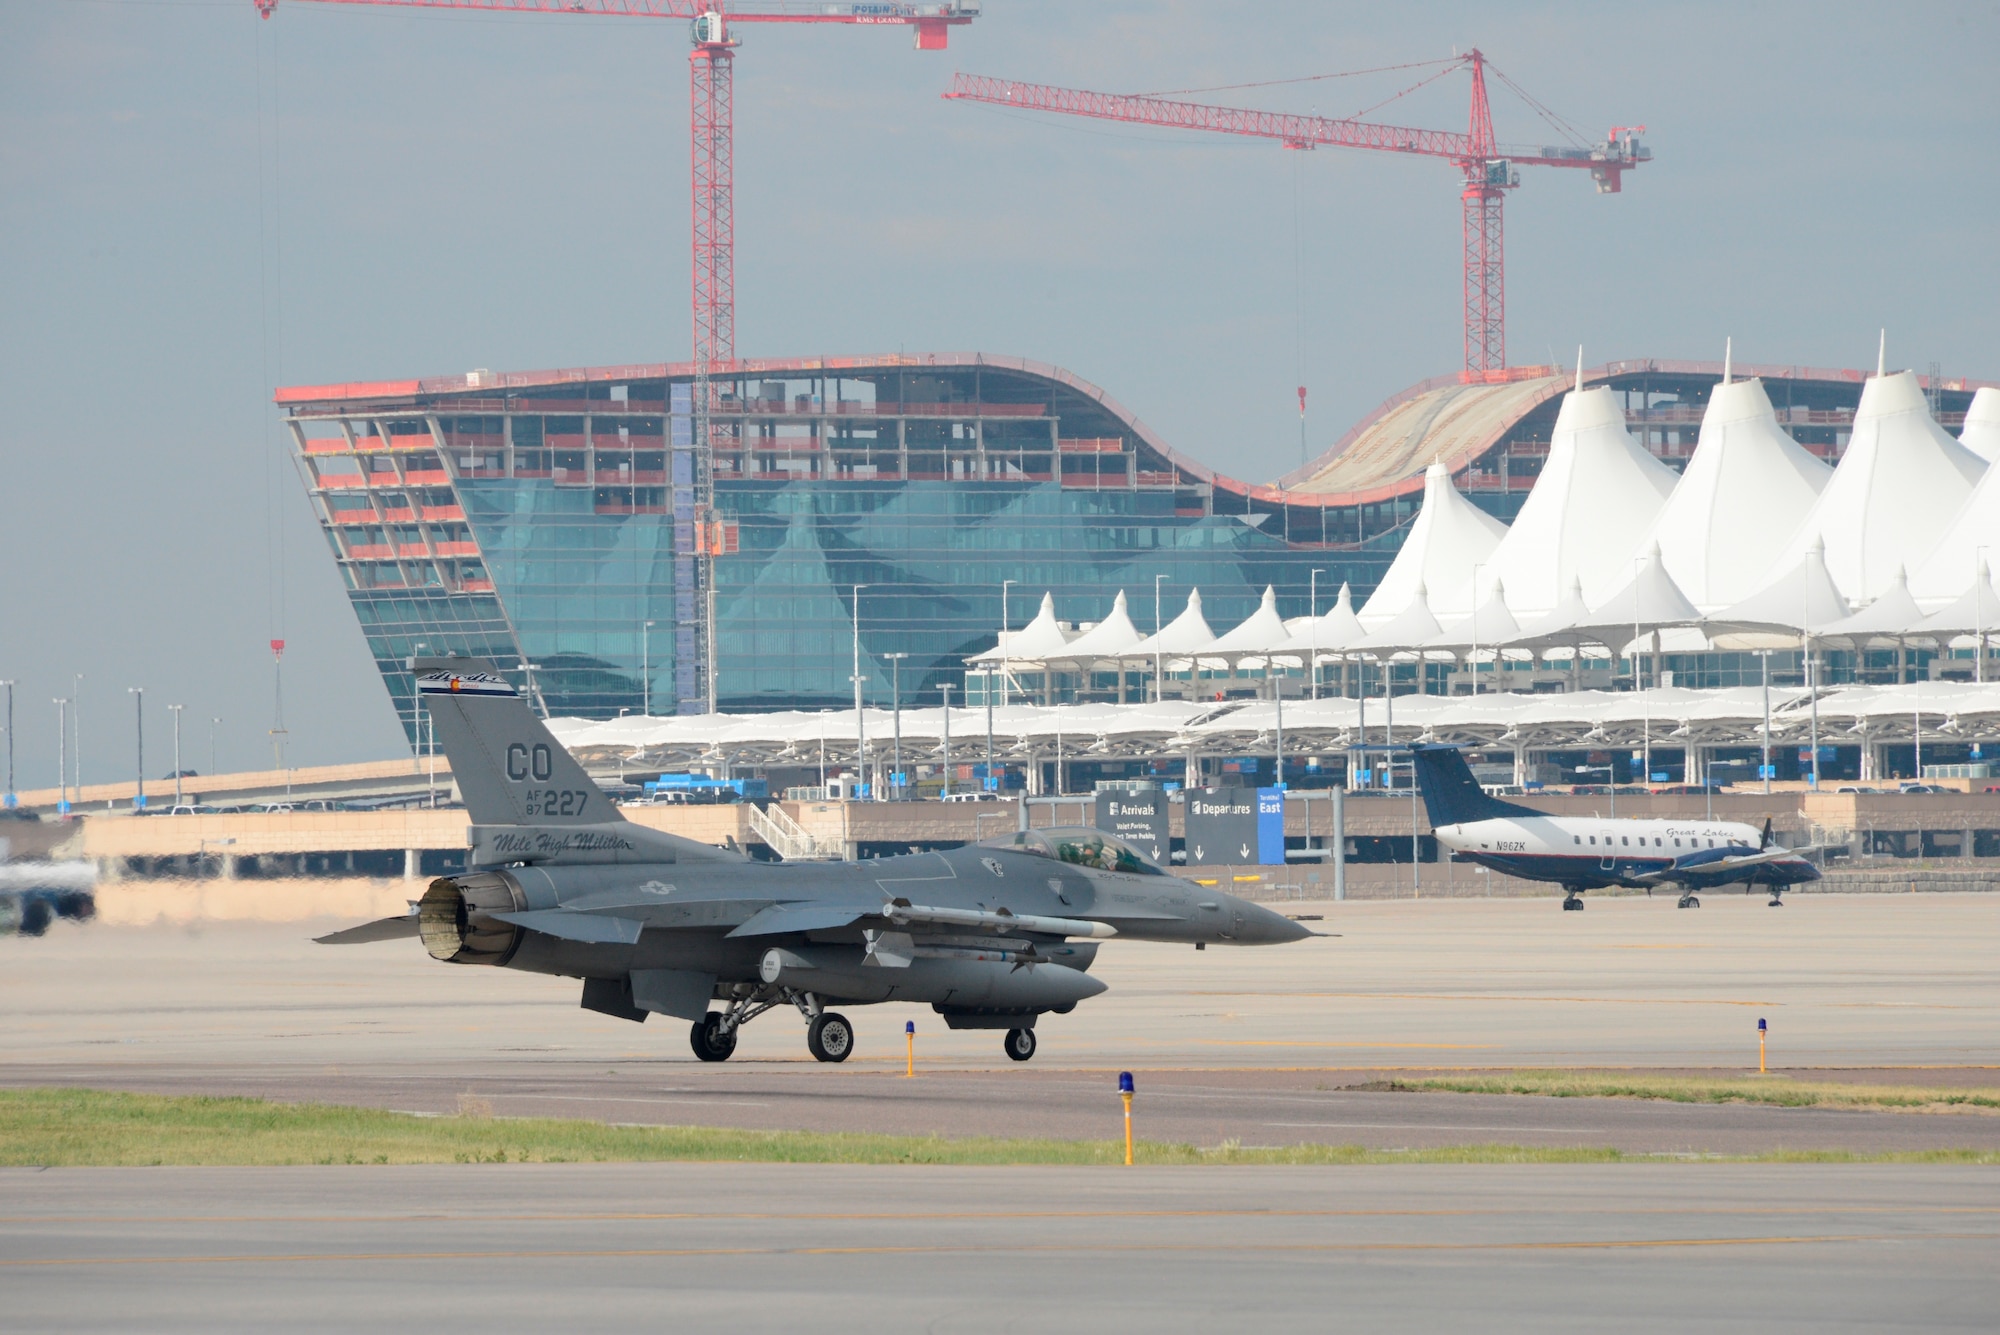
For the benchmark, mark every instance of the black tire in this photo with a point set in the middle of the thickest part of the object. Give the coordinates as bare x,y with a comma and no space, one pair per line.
709,1042
1572,904
830,1038
1692,902
36,915
1020,1044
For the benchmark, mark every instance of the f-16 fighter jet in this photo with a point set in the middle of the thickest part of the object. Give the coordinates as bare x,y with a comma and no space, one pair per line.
991,936
1586,852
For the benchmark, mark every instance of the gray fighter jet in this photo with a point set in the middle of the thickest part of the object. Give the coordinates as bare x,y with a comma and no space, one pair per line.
991,936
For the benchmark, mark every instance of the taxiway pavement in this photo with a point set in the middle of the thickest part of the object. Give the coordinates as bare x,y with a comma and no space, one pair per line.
480,1248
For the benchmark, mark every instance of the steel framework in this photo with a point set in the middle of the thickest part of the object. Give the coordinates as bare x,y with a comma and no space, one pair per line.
1487,168
711,127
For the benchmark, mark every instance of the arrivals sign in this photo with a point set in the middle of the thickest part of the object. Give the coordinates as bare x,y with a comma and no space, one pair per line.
1140,819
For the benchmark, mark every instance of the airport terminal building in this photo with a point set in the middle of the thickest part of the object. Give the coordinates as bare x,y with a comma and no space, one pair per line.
548,520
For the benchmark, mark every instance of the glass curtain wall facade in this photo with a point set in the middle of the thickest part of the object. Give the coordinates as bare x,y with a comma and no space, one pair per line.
542,521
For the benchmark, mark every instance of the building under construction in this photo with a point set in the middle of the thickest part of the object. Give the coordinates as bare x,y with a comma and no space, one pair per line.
566,526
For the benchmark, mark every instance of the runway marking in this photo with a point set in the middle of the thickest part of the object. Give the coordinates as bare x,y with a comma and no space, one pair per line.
1328,1043
1481,996
942,1216
1407,1126
936,1249
619,1098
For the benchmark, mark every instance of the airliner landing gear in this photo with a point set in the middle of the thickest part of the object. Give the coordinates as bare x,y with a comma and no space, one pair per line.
1572,899
1688,901
1776,903
1020,1044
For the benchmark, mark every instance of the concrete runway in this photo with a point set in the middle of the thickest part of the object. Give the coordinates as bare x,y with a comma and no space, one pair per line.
791,1248
1252,1045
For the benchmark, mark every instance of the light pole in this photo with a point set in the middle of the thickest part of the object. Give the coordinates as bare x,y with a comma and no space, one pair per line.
946,691
62,756
896,706
1158,685
646,667
991,782
1312,619
138,694
417,650
213,723
9,799
176,711
1765,656
1473,661
1006,629
860,722
1979,620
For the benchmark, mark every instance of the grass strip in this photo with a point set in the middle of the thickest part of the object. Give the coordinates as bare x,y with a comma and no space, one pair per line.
97,1128
1778,1091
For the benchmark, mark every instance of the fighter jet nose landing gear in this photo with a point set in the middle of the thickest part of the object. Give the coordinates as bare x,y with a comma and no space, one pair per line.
830,1037
712,1040
1020,1044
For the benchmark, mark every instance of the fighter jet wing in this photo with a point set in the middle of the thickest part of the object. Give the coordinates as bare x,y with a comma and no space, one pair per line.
808,917
382,929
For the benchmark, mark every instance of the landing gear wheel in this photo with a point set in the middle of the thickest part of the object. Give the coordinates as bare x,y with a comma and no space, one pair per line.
830,1037
1776,903
709,1041
1573,903
1688,902
1020,1044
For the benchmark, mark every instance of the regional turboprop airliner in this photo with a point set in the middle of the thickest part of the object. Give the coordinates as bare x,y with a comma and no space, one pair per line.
1586,852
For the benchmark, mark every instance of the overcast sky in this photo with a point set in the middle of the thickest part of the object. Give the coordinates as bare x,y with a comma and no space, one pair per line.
437,192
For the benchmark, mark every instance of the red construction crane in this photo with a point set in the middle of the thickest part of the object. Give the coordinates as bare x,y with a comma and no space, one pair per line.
709,71
1488,169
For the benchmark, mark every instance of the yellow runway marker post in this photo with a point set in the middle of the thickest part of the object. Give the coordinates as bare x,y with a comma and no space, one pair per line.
1760,1045
1125,1093
910,1033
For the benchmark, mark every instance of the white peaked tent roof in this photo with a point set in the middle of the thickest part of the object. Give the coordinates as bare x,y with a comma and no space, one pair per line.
1747,488
1881,510
1489,624
1594,503
1109,640
1449,538
1981,432
1975,611
1413,626
1183,635
1336,630
1561,624
1892,615
1946,571
1803,597
1263,631
1044,637
1649,599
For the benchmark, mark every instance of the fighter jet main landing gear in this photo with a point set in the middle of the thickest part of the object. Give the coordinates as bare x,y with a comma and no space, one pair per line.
713,1039
830,1037
1020,1044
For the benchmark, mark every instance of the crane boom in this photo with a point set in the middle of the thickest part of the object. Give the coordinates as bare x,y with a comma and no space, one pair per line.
713,286
1487,168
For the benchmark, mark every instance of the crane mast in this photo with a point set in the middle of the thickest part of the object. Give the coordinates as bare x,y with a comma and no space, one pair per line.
1487,168
711,126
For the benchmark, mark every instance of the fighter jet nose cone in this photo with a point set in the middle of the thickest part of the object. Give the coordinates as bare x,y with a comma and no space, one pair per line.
1263,927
